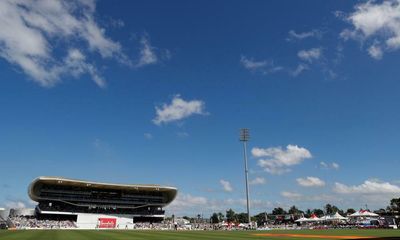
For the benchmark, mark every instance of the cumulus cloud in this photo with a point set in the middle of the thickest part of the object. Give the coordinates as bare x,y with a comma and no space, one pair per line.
279,160
291,195
189,200
177,110
226,185
257,181
310,182
378,21
375,51
187,204
372,191
147,53
322,198
372,186
303,35
183,202
30,29
310,55
263,66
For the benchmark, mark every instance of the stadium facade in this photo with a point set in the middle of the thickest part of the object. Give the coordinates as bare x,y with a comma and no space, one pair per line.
99,205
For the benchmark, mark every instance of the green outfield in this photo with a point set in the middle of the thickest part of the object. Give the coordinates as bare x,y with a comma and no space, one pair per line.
181,235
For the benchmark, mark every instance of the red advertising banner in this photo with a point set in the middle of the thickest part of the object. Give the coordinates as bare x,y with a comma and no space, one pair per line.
107,222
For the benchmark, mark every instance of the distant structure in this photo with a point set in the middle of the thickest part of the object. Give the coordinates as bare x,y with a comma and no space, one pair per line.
3,218
244,137
96,205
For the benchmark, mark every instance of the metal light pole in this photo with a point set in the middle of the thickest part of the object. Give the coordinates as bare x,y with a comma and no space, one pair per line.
244,137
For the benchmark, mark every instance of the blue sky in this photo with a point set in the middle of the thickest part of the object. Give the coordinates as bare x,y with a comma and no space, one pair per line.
156,92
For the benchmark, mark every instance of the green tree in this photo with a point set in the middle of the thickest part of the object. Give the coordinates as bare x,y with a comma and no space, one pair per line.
394,206
350,211
230,215
318,212
220,216
241,217
381,211
308,213
328,209
214,218
294,210
331,209
278,211
260,218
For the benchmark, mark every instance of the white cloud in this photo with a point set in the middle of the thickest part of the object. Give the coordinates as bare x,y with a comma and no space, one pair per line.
226,185
310,182
252,64
147,53
374,192
28,29
178,110
291,195
323,165
257,181
303,35
263,66
187,204
372,186
279,160
15,205
310,54
300,68
76,65
377,21
183,201
321,198
116,23
375,51
333,165
19,204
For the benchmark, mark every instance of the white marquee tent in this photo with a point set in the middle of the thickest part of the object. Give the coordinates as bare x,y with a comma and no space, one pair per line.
363,213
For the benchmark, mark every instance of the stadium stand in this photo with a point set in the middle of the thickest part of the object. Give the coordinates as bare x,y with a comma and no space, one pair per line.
70,203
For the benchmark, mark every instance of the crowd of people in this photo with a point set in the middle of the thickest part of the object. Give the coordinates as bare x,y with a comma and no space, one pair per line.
169,225
63,207
31,222
21,222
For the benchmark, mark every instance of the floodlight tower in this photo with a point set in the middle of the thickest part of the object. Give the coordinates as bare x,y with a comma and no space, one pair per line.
244,137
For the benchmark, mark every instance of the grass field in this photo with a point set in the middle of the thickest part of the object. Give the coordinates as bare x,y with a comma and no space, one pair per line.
181,235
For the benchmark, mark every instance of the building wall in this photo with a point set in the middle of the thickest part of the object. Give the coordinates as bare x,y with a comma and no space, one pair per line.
91,221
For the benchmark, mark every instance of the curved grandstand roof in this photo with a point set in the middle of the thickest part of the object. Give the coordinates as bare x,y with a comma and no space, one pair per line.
170,191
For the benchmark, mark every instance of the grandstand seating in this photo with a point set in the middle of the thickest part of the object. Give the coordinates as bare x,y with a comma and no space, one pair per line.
91,203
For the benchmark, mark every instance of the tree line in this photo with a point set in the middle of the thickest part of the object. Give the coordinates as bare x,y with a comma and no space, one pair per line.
329,209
